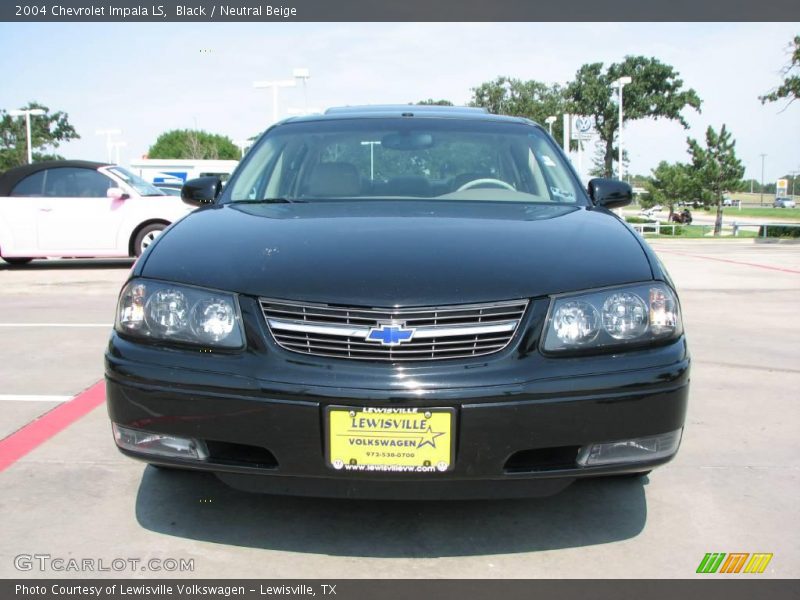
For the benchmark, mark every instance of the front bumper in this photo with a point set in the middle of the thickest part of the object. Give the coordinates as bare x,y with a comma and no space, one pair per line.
512,440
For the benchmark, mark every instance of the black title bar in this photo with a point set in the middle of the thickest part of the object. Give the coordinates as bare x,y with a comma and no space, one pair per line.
394,10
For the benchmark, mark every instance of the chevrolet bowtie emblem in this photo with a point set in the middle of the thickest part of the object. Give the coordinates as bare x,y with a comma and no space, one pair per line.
390,335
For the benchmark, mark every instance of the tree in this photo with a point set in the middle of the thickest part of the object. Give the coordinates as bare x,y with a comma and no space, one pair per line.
716,167
189,143
532,99
432,102
599,161
656,92
790,88
47,132
669,184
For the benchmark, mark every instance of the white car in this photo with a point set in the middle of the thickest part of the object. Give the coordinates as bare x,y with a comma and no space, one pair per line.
80,209
783,202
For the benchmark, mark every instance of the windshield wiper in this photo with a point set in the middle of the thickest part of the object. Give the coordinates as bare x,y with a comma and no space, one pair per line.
267,201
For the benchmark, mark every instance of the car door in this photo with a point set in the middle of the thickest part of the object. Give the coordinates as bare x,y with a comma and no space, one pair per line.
76,217
18,213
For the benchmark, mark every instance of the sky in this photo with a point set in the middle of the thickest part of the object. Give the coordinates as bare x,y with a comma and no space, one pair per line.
147,78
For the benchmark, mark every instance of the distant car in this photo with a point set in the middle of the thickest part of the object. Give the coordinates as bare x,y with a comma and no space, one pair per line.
170,189
783,202
729,202
80,209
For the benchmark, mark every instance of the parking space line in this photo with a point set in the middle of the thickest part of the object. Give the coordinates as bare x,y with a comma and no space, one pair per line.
33,398
727,260
35,433
55,325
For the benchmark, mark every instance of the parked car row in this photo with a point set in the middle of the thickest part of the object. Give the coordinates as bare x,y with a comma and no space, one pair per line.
80,209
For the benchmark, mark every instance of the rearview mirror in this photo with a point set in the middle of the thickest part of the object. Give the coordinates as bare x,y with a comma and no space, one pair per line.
610,193
407,140
201,191
116,193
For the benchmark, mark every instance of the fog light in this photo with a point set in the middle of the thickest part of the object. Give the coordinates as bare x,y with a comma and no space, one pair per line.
159,444
630,451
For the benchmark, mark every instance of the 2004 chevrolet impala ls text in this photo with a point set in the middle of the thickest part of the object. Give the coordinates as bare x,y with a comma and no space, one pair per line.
400,302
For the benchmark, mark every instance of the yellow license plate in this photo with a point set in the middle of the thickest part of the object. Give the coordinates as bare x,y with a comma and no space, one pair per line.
397,440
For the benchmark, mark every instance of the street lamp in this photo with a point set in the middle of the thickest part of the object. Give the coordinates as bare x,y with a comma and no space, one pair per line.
304,75
371,158
300,73
27,112
117,145
549,121
285,83
243,145
619,84
108,133
762,178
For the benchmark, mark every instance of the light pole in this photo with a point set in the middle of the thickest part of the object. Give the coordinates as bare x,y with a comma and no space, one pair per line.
285,83
27,112
117,145
108,133
243,146
371,158
304,75
549,121
620,83
762,178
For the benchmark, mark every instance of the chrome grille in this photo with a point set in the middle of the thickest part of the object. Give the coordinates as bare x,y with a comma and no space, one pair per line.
457,331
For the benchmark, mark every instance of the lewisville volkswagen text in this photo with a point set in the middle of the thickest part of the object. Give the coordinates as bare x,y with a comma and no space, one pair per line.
400,302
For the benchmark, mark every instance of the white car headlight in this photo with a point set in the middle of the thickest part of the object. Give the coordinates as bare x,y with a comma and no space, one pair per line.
158,310
622,316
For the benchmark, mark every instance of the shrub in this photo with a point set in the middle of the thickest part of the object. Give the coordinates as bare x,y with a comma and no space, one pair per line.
780,231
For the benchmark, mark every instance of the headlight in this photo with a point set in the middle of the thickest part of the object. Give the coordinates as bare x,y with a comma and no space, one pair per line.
623,316
164,311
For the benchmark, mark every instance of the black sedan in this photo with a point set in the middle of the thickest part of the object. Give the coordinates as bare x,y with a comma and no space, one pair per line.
400,302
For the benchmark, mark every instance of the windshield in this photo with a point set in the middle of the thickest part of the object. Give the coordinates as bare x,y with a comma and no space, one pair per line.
404,158
137,183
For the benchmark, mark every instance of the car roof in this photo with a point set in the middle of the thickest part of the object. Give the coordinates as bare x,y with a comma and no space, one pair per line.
9,179
384,111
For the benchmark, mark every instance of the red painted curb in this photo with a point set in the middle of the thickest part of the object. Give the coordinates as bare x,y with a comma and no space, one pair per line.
19,443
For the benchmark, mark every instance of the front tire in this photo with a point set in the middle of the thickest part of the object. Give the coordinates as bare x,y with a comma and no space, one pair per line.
146,236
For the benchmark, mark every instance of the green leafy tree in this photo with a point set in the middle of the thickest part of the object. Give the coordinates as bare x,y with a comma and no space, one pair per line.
669,184
532,99
790,88
48,131
599,161
656,91
432,102
716,167
190,143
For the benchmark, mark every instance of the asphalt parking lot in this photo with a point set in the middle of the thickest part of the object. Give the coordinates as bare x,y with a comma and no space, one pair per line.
733,487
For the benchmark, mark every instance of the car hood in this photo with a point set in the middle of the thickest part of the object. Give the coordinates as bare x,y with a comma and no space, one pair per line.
387,253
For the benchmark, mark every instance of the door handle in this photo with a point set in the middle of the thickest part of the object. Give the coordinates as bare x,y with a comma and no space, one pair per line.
45,209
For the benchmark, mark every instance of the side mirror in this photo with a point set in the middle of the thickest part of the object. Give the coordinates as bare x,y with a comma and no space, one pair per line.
201,191
116,193
610,193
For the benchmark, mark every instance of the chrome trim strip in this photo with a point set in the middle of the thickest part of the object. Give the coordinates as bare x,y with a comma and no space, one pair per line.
522,303
306,327
420,333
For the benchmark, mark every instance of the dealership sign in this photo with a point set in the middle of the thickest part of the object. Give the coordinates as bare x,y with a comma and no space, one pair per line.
582,128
